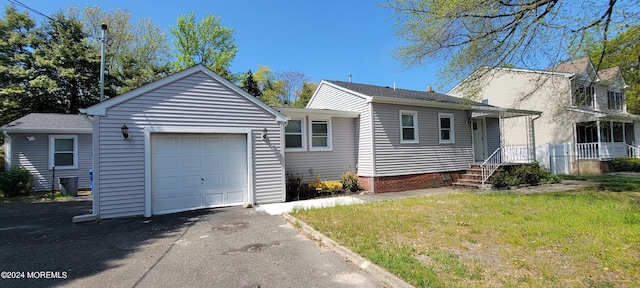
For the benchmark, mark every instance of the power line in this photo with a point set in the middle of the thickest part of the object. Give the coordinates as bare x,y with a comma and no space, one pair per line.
20,4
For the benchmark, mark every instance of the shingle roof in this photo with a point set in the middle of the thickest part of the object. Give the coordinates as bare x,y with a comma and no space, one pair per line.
48,121
610,74
380,91
577,66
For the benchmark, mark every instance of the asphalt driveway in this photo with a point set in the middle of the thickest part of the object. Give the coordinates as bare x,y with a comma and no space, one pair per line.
229,247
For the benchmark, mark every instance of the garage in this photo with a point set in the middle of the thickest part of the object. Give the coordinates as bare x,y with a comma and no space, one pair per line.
193,171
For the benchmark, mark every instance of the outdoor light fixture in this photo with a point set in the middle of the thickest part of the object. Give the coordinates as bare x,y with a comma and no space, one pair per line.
264,133
125,132
31,138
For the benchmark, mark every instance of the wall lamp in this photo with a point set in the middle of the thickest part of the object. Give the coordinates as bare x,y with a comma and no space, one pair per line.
125,132
264,133
30,138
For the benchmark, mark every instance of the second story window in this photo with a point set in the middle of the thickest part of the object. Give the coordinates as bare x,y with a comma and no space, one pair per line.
584,95
614,100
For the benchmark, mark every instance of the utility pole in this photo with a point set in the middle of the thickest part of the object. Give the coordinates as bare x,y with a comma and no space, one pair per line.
102,40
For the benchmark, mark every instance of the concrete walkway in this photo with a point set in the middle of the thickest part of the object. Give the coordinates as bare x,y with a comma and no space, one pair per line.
287,207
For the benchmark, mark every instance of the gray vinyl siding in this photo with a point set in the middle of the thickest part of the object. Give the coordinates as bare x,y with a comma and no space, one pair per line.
328,97
34,156
193,101
329,165
493,135
427,156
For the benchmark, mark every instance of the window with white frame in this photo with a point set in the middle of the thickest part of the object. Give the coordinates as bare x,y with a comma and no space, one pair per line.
584,95
447,133
320,134
615,100
294,135
63,151
408,126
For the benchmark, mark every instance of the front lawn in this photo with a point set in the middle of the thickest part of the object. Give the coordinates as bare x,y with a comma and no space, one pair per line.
587,238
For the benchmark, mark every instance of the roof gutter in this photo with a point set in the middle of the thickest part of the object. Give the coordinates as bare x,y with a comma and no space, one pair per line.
83,112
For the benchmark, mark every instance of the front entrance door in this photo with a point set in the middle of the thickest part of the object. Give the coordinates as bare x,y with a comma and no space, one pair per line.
479,143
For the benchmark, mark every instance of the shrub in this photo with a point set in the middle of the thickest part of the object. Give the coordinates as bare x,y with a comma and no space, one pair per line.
294,186
16,181
530,175
626,164
500,180
325,186
349,181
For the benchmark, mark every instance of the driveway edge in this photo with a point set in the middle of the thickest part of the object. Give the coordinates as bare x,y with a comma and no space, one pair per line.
380,274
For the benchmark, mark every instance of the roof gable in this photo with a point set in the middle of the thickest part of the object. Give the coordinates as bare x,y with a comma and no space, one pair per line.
49,122
100,109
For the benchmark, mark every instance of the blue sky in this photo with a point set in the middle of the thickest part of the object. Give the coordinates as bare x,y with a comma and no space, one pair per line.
322,39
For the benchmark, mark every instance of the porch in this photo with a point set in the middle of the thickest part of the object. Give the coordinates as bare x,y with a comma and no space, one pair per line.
604,140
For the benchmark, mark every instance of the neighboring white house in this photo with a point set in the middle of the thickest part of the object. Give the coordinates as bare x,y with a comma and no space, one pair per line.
584,118
40,141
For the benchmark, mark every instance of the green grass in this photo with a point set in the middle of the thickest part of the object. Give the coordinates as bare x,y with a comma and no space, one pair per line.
34,197
611,182
586,238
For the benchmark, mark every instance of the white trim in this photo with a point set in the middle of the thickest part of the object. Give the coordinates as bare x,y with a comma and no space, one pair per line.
282,166
452,131
416,138
325,82
300,112
50,130
7,151
303,132
148,212
100,109
95,194
52,147
329,146
373,145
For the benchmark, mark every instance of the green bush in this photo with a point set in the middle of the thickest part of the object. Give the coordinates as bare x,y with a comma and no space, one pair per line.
321,186
530,175
16,181
626,164
500,180
349,181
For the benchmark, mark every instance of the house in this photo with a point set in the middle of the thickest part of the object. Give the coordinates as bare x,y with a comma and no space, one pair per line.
41,141
585,122
187,141
409,139
194,140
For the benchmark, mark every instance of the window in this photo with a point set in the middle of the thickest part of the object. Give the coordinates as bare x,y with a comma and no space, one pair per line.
584,95
294,135
63,151
445,122
615,100
408,126
320,134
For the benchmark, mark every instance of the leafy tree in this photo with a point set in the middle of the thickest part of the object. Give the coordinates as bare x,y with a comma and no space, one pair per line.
206,42
470,34
305,94
18,94
622,51
71,66
251,86
292,82
137,54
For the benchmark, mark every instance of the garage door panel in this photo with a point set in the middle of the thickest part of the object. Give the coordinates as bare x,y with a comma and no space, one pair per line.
187,162
236,196
191,171
174,204
190,144
213,161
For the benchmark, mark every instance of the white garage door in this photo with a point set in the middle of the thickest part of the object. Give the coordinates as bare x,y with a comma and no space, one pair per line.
191,171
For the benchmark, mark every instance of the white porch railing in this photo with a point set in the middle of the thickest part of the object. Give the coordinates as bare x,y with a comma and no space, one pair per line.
490,165
633,151
517,154
606,150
